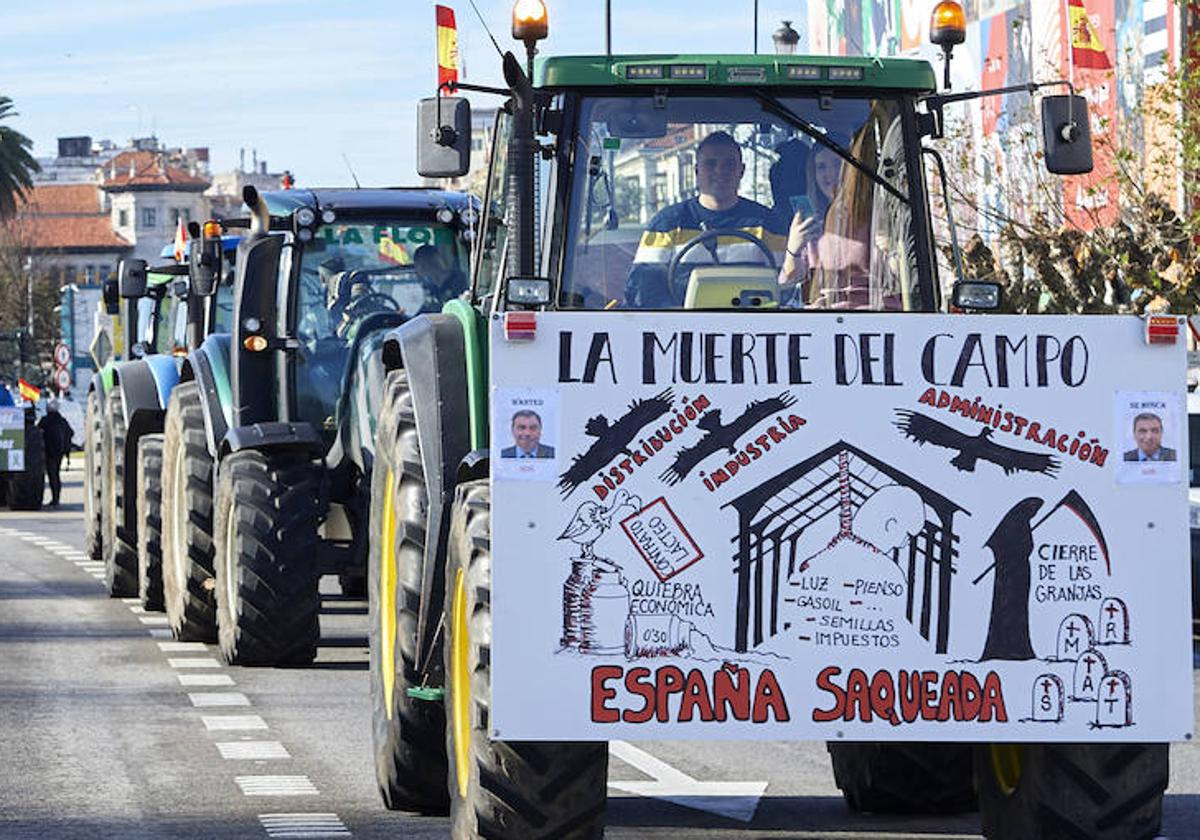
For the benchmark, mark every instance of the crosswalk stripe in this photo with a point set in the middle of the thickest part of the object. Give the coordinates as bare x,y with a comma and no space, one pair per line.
156,620
232,723
204,679
160,633
193,661
131,600
252,750
276,785
204,699
303,825
183,647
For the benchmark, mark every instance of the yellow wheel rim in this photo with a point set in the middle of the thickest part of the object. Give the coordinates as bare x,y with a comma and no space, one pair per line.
1006,766
460,689
387,594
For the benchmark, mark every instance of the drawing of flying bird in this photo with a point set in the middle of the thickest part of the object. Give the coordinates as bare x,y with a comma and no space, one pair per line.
972,448
613,439
718,435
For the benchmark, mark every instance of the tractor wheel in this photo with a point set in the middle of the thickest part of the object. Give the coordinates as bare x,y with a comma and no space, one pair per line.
353,584
904,778
26,488
187,522
149,480
1069,791
93,479
120,546
407,733
268,604
502,789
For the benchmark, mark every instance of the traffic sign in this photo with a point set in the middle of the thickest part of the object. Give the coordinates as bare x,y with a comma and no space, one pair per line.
62,355
62,379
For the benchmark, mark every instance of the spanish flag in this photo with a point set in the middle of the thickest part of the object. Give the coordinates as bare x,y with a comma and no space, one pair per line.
180,240
28,392
447,47
1087,51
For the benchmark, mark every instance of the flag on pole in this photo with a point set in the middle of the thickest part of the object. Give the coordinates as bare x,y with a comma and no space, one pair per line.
28,392
180,239
447,46
1086,48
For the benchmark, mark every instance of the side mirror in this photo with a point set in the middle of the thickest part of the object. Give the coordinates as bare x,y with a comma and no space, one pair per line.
443,137
112,300
976,294
131,278
204,265
1066,135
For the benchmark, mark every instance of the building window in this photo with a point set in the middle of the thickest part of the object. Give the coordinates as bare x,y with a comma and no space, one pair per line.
184,214
149,217
105,272
89,274
122,218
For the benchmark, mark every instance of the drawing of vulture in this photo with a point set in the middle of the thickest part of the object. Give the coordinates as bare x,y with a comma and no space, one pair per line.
613,439
972,448
718,436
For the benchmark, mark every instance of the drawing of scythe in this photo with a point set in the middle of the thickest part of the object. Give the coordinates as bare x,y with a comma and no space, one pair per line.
1077,505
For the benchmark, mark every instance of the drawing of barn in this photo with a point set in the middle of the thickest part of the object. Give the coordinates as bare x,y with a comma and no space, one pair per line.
773,517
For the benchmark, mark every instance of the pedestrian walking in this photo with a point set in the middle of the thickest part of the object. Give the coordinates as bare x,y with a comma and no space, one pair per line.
56,434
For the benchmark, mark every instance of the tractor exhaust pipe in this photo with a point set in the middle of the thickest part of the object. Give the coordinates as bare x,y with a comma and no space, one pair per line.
260,216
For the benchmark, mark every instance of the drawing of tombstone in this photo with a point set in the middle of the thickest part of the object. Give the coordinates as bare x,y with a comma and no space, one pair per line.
1089,668
1075,635
1115,704
1048,699
1114,622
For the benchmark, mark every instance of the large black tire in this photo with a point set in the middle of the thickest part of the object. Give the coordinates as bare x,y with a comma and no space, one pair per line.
26,488
93,479
503,789
353,583
1071,791
149,479
187,519
904,778
408,734
267,561
120,546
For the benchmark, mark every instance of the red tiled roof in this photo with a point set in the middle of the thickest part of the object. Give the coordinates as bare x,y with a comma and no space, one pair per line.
147,169
65,217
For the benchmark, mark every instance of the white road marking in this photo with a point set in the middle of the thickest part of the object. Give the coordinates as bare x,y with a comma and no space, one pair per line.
276,785
83,563
98,575
183,647
205,699
92,566
131,600
252,750
138,610
193,662
155,620
735,800
303,825
233,723
160,633
205,679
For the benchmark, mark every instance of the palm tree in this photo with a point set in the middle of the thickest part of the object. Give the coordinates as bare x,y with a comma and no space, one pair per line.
16,163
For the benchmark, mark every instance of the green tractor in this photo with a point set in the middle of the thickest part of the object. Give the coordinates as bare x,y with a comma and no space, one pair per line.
170,318
269,436
581,216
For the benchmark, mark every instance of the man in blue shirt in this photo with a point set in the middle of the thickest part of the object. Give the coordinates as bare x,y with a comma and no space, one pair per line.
719,171
527,433
1148,432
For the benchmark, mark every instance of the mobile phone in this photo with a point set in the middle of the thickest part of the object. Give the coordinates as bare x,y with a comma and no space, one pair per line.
801,204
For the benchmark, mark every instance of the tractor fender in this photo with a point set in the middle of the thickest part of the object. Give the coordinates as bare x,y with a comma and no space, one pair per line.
98,385
143,384
431,349
208,365
296,436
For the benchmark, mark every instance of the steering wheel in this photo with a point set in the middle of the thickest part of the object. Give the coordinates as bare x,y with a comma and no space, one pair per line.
371,300
678,288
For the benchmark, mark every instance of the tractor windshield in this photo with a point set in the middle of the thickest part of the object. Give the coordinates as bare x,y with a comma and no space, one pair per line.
354,275
794,201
